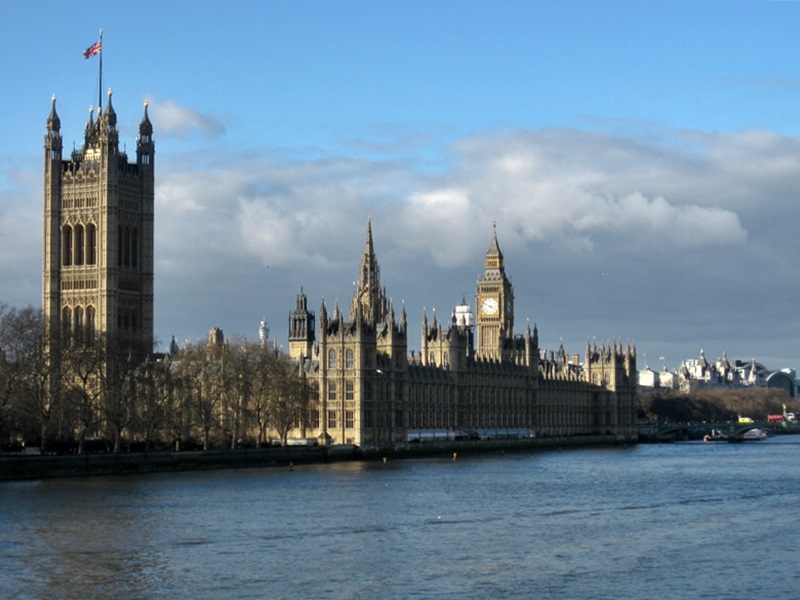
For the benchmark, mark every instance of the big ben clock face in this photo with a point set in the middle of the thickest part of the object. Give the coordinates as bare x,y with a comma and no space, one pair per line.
489,306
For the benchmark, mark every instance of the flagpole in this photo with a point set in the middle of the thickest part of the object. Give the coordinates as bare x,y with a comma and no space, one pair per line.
100,89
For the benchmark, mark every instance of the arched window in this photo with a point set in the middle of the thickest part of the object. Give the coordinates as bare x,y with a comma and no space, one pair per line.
120,243
66,318
66,245
331,359
91,324
134,248
78,316
349,362
91,240
126,247
80,244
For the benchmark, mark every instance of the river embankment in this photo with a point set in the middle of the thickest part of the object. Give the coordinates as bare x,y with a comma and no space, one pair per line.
14,467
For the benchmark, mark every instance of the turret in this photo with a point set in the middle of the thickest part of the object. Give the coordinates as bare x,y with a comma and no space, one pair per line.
301,329
145,148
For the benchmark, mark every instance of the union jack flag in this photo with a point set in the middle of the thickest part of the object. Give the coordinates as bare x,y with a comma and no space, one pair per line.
95,48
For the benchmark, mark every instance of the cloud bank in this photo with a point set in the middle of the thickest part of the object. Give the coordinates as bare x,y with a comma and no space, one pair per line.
673,240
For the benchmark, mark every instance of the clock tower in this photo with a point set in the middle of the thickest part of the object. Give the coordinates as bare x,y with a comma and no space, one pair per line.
494,302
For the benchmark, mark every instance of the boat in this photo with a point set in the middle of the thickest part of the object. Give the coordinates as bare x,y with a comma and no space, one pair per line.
754,435
715,436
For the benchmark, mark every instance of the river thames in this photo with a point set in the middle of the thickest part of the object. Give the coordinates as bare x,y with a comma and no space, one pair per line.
684,520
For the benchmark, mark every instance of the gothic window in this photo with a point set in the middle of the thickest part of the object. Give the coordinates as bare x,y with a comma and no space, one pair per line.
66,318
349,362
446,360
349,419
331,419
126,247
134,249
119,245
332,391
331,359
91,240
78,318
79,244
90,321
349,391
66,246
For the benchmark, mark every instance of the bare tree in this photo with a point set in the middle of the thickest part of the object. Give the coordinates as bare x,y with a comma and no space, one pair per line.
20,331
84,361
288,396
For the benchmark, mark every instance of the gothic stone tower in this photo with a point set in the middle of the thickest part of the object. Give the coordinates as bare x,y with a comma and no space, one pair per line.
98,231
495,304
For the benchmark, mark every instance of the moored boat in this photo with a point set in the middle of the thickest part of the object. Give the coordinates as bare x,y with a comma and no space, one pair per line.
754,435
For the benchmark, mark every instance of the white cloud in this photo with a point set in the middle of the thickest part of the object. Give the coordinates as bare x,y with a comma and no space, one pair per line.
181,121
605,236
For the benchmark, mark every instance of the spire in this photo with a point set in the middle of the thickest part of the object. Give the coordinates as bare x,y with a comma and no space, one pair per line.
52,139
53,122
111,115
145,149
145,127
369,249
494,257
368,294
494,247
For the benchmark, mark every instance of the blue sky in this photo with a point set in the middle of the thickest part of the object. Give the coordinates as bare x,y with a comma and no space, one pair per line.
641,159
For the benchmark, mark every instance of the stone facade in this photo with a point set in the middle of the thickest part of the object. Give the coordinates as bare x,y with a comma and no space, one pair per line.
372,392
98,230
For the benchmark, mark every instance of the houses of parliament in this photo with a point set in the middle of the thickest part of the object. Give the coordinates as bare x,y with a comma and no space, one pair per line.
472,373
372,392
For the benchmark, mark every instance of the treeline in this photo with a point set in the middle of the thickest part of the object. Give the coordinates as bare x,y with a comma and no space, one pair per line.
79,391
711,405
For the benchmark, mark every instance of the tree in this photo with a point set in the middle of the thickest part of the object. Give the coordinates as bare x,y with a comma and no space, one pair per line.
19,343
288,396
84,361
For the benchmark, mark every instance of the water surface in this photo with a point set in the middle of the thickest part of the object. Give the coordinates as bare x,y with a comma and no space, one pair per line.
681,520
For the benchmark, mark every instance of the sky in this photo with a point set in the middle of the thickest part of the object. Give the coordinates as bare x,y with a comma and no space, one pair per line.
641,160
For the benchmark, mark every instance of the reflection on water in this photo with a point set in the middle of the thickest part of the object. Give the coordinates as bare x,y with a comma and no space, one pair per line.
683,520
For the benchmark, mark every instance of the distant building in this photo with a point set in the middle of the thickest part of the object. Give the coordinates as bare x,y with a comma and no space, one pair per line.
372,392
698,373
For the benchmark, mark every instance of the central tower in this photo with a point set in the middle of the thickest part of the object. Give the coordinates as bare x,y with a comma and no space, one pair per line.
369,299
494,302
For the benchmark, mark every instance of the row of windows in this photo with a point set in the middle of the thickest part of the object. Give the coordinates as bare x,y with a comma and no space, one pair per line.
78,319
349,391
79,245
127,247
349,359
349,419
